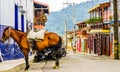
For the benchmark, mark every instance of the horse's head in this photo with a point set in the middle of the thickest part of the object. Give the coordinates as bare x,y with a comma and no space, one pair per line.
5,35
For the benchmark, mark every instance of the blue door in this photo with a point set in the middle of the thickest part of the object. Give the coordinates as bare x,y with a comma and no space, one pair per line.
16,17
22,23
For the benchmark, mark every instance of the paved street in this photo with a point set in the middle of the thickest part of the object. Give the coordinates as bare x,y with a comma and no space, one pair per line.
79,63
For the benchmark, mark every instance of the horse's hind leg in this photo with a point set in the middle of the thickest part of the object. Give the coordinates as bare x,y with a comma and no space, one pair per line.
58,56
56,63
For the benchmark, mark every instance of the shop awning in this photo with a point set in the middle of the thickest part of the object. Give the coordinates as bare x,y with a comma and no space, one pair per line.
40,5
99,31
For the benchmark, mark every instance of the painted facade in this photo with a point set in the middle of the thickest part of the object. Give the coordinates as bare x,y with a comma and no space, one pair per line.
81,37
94,35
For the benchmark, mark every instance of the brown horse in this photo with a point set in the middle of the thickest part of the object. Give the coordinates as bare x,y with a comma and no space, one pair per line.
50,40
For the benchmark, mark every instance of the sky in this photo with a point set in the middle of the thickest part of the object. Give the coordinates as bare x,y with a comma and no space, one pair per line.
56,5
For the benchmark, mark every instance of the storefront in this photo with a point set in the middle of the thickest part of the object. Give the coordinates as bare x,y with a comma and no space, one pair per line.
99,42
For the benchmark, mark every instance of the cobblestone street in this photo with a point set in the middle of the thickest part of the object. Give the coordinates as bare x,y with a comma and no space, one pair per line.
85,63
75,62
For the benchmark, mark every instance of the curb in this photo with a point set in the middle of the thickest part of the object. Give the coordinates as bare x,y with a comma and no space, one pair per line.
17,68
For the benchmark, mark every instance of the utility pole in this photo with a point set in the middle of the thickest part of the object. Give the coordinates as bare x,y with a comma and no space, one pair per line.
116,42
65,24
66,33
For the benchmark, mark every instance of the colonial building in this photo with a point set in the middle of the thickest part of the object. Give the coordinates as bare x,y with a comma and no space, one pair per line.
99,41
81,41
18,14
22,15
93,35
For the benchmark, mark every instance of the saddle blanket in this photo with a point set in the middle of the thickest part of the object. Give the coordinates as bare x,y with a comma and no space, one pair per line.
36,35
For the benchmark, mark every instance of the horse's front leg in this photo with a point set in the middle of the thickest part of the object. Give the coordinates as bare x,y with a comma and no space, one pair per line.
26,59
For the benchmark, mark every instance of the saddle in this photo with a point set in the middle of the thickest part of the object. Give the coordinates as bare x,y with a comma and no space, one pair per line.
37,36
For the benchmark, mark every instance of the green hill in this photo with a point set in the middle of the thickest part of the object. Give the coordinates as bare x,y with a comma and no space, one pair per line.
56,20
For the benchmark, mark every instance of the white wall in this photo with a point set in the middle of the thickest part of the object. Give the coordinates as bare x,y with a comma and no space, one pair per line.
30,10
7,12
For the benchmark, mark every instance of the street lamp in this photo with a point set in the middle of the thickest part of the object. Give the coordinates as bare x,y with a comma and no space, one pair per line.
20,8
74,22
65,24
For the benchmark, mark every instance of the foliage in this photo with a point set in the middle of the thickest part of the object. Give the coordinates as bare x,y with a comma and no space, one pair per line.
94,20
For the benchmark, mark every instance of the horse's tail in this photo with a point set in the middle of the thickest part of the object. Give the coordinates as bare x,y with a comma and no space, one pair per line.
60,42
59,51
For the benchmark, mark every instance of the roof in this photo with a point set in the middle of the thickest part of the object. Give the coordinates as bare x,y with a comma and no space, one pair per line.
105,3
82,22
94,7
99,5
38,4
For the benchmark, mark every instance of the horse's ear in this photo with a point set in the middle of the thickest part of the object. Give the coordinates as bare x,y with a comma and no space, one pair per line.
8,27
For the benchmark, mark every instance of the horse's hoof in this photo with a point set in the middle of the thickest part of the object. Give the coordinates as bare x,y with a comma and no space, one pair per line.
55,67
27,68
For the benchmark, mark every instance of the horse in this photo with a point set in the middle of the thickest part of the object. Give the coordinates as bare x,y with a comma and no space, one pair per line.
51,39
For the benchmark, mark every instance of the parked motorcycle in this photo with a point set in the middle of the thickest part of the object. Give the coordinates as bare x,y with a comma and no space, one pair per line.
48,54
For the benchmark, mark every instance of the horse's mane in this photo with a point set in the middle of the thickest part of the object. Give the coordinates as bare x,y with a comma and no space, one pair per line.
17,30
12,28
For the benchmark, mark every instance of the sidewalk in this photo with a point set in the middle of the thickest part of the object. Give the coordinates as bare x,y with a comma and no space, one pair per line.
14,65
92,56
98,56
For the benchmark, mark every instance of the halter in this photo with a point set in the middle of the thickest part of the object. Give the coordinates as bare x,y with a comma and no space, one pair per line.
2,40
